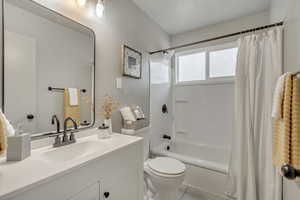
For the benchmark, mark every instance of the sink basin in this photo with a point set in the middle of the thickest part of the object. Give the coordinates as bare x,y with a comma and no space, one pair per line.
72,151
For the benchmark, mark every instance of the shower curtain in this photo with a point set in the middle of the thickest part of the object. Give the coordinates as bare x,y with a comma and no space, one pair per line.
251,173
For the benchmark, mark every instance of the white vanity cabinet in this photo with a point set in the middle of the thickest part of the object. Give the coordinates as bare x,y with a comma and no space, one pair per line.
90,193
115,175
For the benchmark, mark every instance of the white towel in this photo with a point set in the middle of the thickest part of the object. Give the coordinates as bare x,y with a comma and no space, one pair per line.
73,96
5,130
127,114
10,131
278,97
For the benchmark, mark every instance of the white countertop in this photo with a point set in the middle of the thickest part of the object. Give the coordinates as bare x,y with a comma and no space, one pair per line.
16,177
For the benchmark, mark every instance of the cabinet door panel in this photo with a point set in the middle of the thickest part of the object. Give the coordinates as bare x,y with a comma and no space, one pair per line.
125,180
90,193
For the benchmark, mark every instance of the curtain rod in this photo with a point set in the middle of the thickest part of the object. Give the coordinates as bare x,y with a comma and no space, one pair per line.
219,37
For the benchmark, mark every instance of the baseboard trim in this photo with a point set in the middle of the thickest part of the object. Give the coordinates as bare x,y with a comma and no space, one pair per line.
209,195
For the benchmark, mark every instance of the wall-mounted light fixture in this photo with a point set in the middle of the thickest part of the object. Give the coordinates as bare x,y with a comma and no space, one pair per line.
99,7
81,2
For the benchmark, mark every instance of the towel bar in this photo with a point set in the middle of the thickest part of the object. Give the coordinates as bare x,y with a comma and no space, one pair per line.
290,172
62,89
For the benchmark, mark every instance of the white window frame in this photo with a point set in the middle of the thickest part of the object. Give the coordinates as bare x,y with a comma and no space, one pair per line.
208,80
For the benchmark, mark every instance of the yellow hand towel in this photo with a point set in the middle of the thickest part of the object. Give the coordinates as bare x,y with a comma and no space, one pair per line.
295,135
3,135
282,127
286,144
71,111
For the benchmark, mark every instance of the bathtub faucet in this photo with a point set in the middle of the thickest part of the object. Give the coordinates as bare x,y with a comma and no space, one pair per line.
166,137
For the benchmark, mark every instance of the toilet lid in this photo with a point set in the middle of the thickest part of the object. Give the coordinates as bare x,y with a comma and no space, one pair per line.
167,165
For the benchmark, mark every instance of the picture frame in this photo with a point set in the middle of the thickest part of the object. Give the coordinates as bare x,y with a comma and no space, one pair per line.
131,62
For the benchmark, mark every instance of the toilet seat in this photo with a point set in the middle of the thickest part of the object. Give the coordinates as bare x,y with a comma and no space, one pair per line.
166,167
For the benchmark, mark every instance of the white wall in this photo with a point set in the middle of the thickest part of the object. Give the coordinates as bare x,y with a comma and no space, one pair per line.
123,23
289,12
207,115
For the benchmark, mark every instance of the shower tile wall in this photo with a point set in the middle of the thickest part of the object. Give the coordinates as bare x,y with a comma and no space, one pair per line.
161,93
204,113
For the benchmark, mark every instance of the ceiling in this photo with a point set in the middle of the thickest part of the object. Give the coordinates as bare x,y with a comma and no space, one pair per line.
177,16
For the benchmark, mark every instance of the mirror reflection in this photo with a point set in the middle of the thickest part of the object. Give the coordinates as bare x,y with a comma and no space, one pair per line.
48,68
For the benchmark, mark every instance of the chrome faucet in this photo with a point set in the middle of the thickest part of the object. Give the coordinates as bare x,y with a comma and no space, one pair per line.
65,138
72,136
66,123
55,119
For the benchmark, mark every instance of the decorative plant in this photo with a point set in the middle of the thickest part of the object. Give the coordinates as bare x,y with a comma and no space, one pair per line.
104,106
108,106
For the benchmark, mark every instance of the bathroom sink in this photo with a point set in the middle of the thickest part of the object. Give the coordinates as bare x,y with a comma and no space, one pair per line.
73,151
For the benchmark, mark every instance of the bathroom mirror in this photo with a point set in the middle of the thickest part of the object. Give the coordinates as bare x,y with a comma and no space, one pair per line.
49,64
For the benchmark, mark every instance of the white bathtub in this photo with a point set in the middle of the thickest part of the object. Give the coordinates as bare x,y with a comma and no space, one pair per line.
207,166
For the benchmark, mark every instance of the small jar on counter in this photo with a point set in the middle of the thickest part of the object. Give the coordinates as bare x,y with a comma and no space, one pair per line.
103,132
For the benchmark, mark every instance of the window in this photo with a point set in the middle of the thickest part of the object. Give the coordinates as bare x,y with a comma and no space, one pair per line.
191,67
222,63
212,63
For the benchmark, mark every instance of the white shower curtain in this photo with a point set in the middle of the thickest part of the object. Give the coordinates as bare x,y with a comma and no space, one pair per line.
251,173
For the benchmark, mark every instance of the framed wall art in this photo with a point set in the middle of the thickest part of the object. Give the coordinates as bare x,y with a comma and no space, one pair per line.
131,62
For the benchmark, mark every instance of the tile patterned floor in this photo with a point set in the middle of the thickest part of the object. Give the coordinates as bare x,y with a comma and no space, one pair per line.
189,195
186,193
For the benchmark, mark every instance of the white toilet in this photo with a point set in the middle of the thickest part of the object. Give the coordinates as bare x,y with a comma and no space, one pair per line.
166,175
